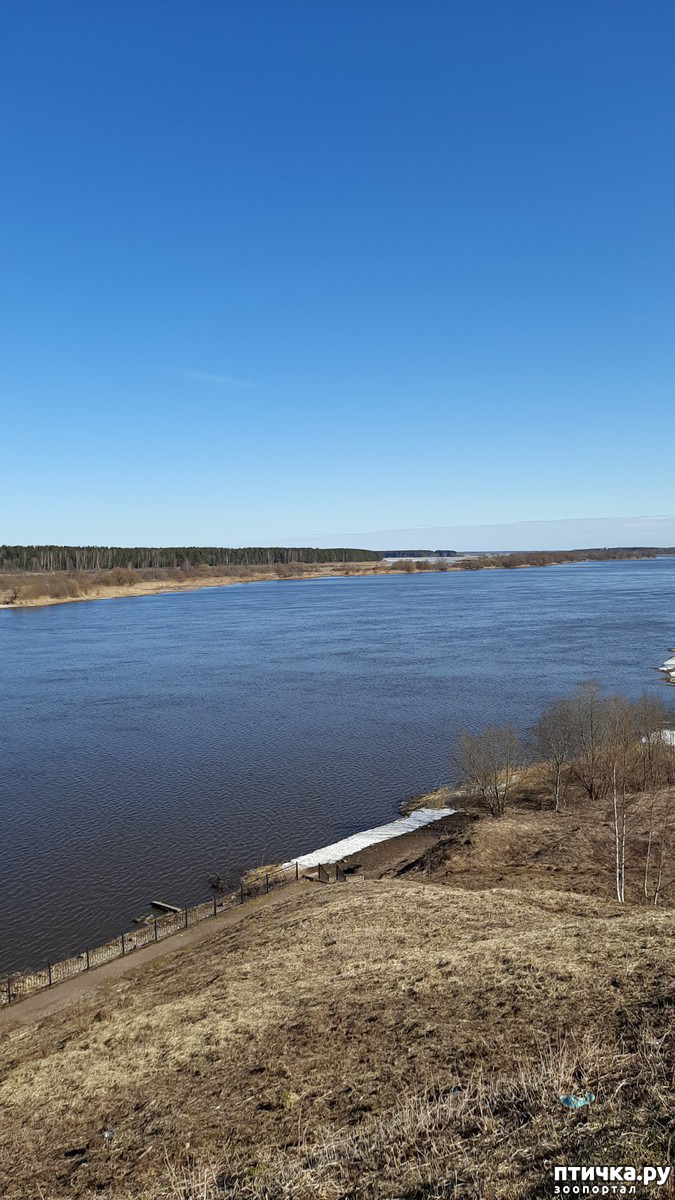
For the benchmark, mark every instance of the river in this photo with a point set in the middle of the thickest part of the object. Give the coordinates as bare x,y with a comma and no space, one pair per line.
151,741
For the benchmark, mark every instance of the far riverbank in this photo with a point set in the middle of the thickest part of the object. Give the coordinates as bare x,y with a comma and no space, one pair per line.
28,589
171,584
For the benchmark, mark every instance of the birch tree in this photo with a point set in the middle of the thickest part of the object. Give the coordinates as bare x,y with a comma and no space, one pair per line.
620,746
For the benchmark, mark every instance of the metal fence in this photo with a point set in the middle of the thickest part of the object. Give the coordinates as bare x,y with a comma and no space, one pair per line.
323,874
17,986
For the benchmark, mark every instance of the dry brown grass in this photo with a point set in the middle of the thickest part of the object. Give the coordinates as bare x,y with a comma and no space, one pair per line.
441,797
364,1040
532,848
480,1139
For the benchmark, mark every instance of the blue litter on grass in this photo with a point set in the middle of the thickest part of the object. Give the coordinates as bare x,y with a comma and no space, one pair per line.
577,1101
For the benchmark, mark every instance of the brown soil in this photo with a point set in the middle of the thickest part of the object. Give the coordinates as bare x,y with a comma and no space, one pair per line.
416,851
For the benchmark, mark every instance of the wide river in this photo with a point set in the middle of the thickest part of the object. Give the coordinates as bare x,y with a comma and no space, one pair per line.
149,742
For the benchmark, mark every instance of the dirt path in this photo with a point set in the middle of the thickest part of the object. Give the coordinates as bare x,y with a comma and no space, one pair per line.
41,1004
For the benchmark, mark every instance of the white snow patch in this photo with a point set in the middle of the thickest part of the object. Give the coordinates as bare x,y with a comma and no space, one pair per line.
667,736
368,837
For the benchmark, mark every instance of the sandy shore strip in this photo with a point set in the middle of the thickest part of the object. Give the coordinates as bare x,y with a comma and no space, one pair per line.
195,583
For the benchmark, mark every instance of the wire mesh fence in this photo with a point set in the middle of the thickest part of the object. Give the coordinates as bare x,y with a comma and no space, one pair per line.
18,985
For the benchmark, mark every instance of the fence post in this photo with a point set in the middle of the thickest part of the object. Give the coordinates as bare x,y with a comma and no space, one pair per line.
214,904
296,872
241,891
49,973
267,884
186,918
9,989
122,945
87,954
155,921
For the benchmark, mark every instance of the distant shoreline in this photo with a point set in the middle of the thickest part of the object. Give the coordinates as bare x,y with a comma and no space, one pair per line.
100,588
195,583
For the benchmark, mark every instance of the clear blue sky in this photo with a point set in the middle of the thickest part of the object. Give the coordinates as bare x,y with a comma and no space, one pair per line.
280,269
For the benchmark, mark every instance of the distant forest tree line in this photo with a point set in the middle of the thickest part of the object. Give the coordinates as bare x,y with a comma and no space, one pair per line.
420,553
70,559
105,558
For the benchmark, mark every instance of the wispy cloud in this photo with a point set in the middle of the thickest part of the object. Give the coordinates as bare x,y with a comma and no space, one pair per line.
211,377
563,534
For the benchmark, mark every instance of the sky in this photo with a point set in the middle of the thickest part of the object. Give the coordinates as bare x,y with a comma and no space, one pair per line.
277,272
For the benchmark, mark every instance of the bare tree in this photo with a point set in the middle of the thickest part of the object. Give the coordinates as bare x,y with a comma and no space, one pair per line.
655,773
554,740
587,712
657,780
663,842
621,752
489,761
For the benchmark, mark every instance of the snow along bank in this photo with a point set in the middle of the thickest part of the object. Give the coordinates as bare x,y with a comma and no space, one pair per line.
368,837
668,669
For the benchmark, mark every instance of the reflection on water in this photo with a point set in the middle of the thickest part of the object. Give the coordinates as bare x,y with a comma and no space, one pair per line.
152,741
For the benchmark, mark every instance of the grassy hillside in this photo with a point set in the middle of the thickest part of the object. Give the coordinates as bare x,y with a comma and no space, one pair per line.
393,1038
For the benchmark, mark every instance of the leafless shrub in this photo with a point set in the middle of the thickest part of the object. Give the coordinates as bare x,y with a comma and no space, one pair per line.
116,577
489,761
